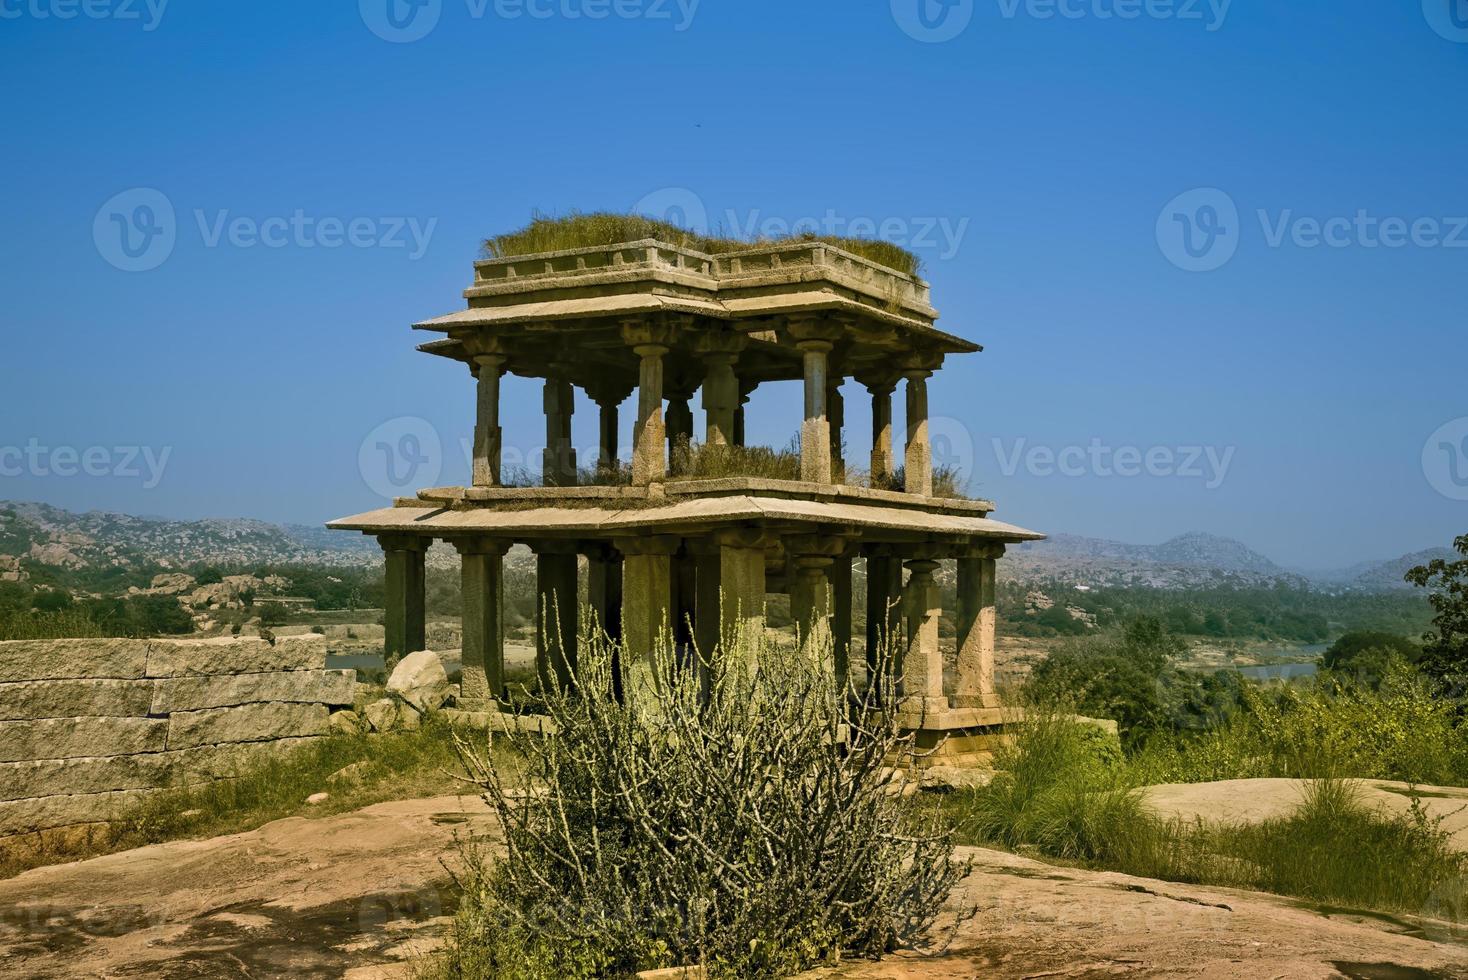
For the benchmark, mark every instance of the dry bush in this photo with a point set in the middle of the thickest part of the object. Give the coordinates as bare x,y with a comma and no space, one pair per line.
739,819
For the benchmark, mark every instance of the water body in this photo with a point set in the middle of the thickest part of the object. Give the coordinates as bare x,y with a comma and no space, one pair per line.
1280,672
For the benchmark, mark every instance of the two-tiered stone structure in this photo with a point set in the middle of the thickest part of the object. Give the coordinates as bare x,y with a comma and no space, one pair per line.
695,556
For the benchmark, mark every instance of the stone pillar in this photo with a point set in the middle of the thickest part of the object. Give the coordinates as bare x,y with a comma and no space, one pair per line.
650,341
685,596
403,617
742,582
560,455
919,462
815,431
922,663
840,575
604,590
721,399
836,416
810,587
882,465
708,630
556,607
974,686
884,616
739,431
606,459
488,436
483,656
680,427
647,592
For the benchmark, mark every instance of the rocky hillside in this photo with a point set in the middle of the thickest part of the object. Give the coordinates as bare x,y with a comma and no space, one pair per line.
45,535
1382,576
1187,561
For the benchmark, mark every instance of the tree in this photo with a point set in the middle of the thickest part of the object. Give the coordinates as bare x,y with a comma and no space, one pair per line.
1369,655
1445,649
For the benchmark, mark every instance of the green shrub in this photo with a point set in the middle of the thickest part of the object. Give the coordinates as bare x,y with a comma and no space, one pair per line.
745,824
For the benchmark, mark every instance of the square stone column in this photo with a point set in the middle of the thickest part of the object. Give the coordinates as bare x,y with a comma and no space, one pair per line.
811,557
559,465
974,686
918,465
836,423
922,663
815,431
742,582
604,589
884,616
840,576
647,594
404,612
557,628
483,655
488,436
679,427
721,392
650,340
882,464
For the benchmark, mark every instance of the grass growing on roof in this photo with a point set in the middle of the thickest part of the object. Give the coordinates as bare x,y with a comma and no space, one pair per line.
576,229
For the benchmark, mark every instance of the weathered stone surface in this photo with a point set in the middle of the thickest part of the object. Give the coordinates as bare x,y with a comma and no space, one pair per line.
382,715
228,690
71,738
420,680
946,779
227,655
22,816
345,723
149,770
29,700
249,723
31,660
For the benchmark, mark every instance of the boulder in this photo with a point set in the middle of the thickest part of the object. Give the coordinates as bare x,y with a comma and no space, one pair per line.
345,723
947,779
382,716
420,680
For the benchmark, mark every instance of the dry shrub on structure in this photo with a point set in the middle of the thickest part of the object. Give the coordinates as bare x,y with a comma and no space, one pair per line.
576,229
746,823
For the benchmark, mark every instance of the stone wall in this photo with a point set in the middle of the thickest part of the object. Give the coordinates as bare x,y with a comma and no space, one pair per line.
88,726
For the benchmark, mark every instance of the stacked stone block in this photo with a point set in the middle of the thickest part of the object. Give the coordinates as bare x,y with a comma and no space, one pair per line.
89,726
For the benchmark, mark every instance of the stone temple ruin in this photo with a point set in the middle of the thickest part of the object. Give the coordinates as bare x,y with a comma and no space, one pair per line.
671,551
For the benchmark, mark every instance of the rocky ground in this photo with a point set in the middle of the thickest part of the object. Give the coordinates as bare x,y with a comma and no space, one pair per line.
361,895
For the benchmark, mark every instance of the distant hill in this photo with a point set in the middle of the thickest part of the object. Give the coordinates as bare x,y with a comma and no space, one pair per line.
45,535
1382,576
1187,561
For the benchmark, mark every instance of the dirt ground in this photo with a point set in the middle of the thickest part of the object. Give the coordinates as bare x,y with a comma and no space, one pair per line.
360,895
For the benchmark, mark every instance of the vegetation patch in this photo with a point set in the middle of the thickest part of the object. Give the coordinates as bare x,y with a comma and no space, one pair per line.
576,229
354,770
750,829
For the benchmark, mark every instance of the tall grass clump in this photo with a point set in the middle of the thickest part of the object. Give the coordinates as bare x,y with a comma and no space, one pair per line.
577,229
1400,729
737,818
700,461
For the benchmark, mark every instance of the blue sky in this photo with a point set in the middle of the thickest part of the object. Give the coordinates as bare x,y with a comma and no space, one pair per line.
1054,161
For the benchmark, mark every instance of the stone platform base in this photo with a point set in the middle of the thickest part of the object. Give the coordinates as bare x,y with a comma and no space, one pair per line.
964,738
